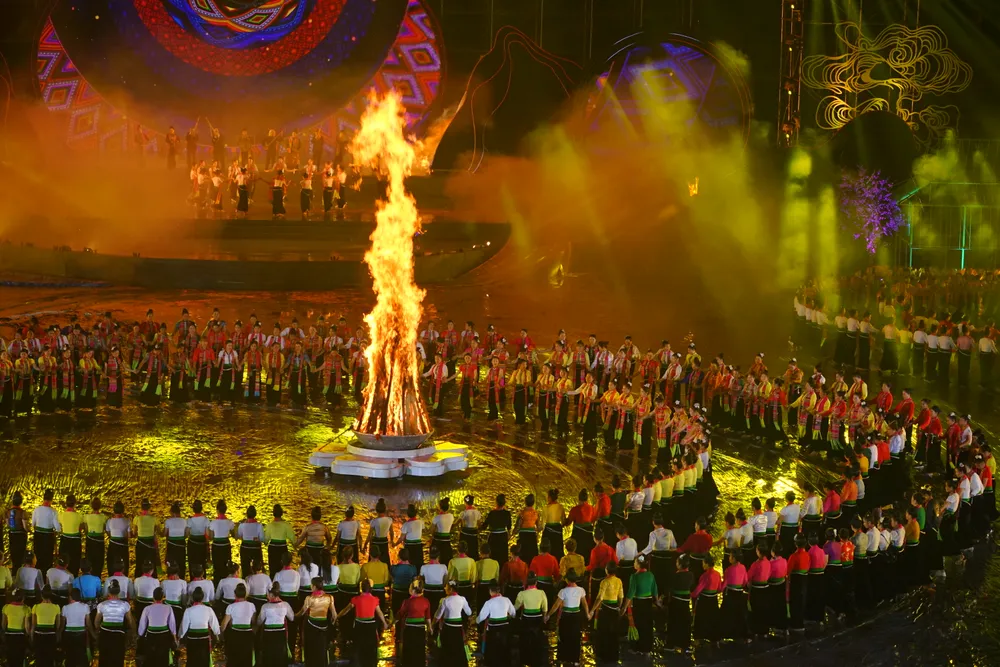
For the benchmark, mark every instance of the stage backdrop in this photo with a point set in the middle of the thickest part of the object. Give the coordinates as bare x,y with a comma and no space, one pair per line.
283,65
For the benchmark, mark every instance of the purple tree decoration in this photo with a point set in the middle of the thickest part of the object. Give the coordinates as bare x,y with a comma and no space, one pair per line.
869,209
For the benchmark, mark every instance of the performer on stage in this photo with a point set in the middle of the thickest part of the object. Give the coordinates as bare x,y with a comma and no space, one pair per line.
306,192
278,189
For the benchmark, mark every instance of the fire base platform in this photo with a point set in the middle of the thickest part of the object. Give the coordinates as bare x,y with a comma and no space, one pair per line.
354,460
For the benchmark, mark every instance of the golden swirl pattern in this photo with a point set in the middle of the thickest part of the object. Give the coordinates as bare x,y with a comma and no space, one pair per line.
891,72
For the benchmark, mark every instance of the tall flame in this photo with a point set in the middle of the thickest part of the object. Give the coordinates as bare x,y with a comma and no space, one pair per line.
392,401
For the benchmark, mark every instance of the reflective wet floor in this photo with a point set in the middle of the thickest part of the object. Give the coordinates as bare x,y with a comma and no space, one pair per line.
254,455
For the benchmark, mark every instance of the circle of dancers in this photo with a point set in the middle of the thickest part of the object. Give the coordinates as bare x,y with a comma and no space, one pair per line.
639,562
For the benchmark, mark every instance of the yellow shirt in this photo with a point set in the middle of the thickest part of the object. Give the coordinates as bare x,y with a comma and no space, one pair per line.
611,590
350,574
666,487
554,513
679,483
699,468
6,581
657,492
690,478
144,525
95,523
488,569
279,532
532,601
46,614
991,463
376,571
863,463
572,562
16,614
71,520
462,569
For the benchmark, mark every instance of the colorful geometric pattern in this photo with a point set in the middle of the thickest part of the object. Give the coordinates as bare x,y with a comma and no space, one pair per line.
237,26
414,65
188,40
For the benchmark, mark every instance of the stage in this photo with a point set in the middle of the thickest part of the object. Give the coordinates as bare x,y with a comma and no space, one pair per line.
260,255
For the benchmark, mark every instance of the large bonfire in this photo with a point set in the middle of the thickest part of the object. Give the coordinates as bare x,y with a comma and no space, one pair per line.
392,402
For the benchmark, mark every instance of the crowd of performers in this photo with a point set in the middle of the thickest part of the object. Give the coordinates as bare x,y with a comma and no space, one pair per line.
916,337
46,368
212,185
972,291
639,562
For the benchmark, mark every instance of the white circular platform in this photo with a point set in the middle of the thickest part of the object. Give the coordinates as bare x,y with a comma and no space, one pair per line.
351,459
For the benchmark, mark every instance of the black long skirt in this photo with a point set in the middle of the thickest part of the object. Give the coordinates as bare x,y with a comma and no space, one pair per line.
452,648
444,548
734,614
679,623
797,586
499,548
45,647
152,392
471,538
157,646
95,554
6,399
527,539
199,651
414,649
197,552
274,648
533,647
111,649
584,543
316,643
760,609
777,606
17,648
642,616
497,645
117,555
74,647
69,548
277,201
570,635
222,554
816,597
606,646
239,647
706,617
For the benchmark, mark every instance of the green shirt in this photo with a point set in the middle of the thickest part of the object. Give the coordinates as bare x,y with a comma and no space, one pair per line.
921,517
279,531
642,585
